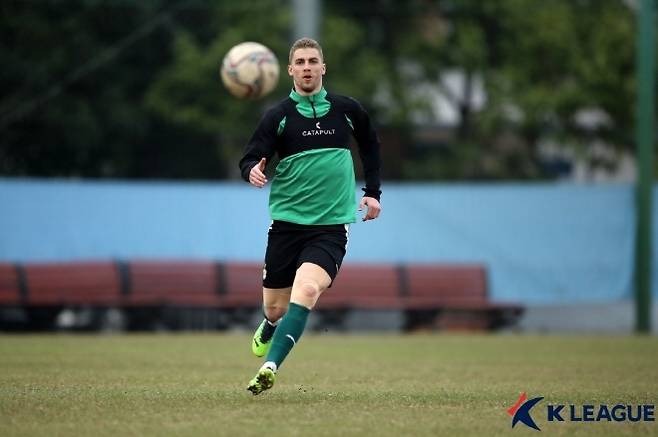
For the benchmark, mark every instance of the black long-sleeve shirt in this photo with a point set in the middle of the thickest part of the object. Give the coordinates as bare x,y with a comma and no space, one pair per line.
314,181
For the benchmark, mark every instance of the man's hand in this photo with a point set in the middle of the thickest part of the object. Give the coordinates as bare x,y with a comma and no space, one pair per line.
257,174
373,208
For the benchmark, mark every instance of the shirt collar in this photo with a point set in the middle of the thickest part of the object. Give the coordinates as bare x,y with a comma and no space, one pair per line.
320,95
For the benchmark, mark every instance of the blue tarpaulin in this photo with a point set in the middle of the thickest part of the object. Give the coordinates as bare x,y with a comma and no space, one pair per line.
542,243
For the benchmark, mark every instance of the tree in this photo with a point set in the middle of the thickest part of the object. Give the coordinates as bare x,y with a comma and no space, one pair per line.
72,84
543,64
118,89
188,93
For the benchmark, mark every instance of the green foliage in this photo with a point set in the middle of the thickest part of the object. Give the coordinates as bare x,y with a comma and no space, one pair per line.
112,88
189,93
542,64
351,65
71,95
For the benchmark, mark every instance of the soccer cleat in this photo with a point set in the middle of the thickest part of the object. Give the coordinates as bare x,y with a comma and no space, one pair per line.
258,346
264,380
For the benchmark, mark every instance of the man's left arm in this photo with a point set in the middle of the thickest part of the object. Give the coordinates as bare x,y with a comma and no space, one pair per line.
369,151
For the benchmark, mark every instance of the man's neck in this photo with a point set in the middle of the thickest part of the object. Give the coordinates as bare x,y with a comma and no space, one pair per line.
305,93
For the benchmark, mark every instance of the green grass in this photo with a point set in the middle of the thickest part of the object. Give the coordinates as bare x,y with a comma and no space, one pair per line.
194,385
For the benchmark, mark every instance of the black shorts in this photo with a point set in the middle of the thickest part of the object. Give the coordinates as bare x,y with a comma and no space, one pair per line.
289,245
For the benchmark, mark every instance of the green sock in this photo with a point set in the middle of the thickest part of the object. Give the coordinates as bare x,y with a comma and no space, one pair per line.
288,332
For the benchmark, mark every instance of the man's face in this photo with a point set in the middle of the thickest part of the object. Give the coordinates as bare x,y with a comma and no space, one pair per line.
307,70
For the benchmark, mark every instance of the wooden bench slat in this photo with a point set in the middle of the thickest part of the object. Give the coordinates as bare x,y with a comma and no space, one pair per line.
244,284
177,283
9,288
73,283
466,281
365,286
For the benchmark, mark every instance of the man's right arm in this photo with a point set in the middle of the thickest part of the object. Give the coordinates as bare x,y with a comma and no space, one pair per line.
261,144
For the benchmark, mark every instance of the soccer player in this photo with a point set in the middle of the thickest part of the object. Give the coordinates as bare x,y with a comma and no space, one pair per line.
312,199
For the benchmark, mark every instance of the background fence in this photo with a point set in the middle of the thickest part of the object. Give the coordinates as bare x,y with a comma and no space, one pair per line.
541,243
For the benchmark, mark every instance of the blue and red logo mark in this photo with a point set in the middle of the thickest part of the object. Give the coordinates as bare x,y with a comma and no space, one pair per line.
520,411
620,412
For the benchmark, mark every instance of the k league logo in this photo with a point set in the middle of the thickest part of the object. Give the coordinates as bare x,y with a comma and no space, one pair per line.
556,413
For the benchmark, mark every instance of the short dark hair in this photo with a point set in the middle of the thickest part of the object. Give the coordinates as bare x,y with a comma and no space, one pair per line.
305,43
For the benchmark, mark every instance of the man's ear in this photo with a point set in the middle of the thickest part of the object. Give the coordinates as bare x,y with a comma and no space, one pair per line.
324,69
290,70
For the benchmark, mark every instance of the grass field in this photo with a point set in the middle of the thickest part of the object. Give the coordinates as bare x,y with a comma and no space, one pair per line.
388,385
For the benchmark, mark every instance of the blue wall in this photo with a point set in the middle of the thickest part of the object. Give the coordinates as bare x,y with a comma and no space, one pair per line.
543,243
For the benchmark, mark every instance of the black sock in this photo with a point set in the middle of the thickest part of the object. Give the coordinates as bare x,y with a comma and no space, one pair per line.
268,331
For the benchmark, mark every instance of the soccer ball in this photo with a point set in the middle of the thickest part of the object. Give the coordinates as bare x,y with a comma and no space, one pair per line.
250,70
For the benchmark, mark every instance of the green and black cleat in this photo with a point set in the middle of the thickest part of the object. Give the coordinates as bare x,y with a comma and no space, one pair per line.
259,346
264,380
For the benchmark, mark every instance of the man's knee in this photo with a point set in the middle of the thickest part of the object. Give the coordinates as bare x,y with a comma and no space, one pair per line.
306,292
310,289
311,280
274,311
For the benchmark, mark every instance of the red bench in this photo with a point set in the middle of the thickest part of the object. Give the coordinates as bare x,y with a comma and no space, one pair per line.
244,285
431,296
449,297
92,283
358,286
173,283
9,286
364,286
452,297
